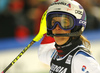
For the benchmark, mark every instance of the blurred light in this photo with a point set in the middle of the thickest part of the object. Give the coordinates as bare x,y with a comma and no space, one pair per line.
21,33
16,5
3,4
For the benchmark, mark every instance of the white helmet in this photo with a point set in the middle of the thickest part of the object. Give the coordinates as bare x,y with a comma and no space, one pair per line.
73,10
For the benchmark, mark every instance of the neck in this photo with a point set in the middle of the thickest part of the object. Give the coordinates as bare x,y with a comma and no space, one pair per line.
68,46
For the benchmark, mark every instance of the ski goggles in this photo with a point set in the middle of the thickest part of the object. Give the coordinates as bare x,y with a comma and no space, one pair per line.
64,20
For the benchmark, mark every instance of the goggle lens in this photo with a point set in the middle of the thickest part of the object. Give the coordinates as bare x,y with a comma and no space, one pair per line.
65,22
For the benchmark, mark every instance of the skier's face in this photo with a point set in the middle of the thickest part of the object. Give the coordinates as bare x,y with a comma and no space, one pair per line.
59,39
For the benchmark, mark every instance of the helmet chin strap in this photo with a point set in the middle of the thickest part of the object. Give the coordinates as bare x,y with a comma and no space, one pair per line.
78,33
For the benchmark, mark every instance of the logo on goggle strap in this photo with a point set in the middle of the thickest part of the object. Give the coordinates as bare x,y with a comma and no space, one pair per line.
82,22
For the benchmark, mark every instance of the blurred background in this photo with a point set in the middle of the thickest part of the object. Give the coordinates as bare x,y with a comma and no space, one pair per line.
19,23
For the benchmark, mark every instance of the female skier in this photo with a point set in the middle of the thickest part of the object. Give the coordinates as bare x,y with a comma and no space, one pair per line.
65,49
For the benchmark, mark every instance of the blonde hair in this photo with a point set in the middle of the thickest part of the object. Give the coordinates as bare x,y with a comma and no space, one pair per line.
85,42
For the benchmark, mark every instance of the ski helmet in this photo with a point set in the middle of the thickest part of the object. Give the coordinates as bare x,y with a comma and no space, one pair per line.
70,9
